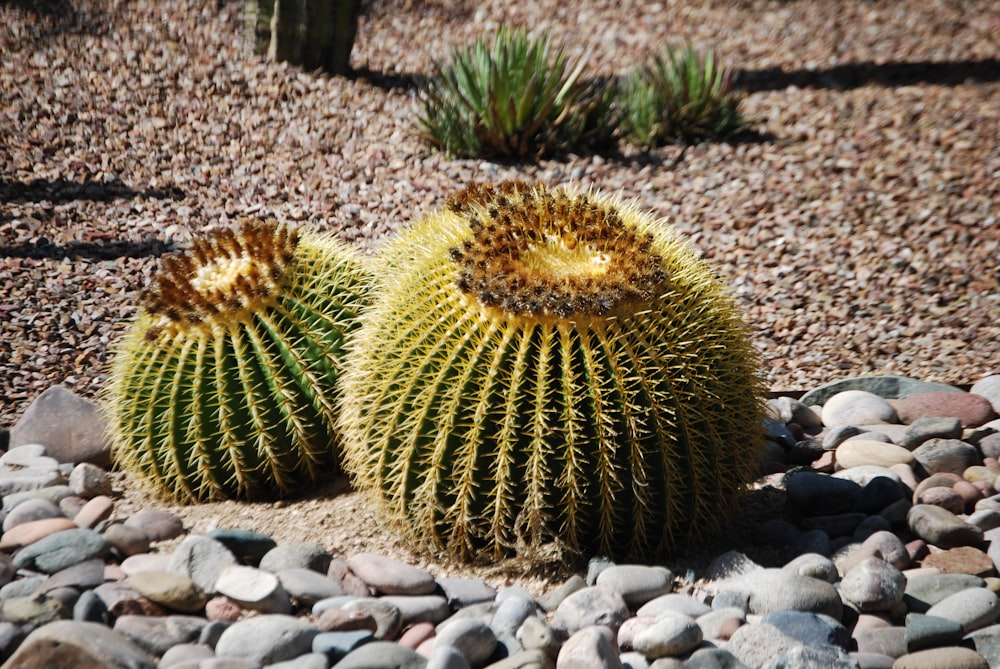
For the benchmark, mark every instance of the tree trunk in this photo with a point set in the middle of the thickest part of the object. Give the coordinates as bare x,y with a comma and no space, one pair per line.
309,33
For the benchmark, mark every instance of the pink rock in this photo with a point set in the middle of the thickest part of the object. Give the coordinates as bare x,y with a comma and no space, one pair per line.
416,634
223,608
946,498
94,511
128,540
340,620
31,531
973,410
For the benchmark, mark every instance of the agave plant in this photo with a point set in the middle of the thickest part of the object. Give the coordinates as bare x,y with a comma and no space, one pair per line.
683,96
224,384
548,369
516,97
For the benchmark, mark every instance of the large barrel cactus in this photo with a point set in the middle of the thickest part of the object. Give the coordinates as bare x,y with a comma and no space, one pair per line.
225,384
549,369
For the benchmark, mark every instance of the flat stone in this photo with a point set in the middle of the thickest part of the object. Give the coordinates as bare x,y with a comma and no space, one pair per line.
462,592
33,610
811,629
670,635
390,576
122,600
473,638
296,554
88,480
347,579
961,560
97,509
873,585
988,387
857,407
267,639
887,386
81,576
862,452
419,608
62,549
973,608
27,533
931,427
923,632
637,584
593,605
770,590
971,409
70,643
673,602
306,586
128,540
382,655
336,645
253,589
590,647
387,616
157,634
951,657
31,510
158,525
173,591
72,428
202,560
940,527
951,456
341,620
889,640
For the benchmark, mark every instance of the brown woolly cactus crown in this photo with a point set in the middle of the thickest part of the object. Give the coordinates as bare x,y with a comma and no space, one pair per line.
227,275
543,252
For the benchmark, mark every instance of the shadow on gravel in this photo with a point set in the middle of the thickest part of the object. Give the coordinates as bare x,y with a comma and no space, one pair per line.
61,191
64,190
49,18
855,75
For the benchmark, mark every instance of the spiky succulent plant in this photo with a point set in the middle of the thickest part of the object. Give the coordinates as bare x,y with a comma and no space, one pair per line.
549,368
224,384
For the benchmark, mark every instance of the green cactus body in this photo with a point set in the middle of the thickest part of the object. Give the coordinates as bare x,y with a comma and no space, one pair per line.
549,368
225,384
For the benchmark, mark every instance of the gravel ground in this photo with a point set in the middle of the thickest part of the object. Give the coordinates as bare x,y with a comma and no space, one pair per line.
858,222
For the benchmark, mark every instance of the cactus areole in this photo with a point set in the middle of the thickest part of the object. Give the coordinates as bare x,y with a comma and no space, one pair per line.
224,385
550,369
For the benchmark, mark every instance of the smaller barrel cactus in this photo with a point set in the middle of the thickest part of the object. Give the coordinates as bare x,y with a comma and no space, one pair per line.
224,385
549,369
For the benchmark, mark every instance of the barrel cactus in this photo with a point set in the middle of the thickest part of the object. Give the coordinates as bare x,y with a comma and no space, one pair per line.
224,385
549,371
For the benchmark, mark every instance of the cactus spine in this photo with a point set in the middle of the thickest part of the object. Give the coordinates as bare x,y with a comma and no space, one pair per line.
548,368
224,385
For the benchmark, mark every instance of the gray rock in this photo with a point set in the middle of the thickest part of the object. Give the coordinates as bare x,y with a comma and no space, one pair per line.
535,634
30,510
336,645
462,592
594,605
923,631
637,584
70,643
673,602
156,635
298,554
940,527
382,655
988,387
511,613
811,629
419,608
88,480
805,657
951,456
202,560
890,387
553,599
986,641
672,635
307,661
267,638
857,407
473,638
591,647
72,428
713,658
253,589
889,641
157,524
387,616
61,550
447,657
973,608
873,585
307,586
390,576
931,427
791,410
756,644
813,565
772,590
247,546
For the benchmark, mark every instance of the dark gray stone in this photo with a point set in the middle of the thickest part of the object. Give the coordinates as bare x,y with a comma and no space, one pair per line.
889,387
